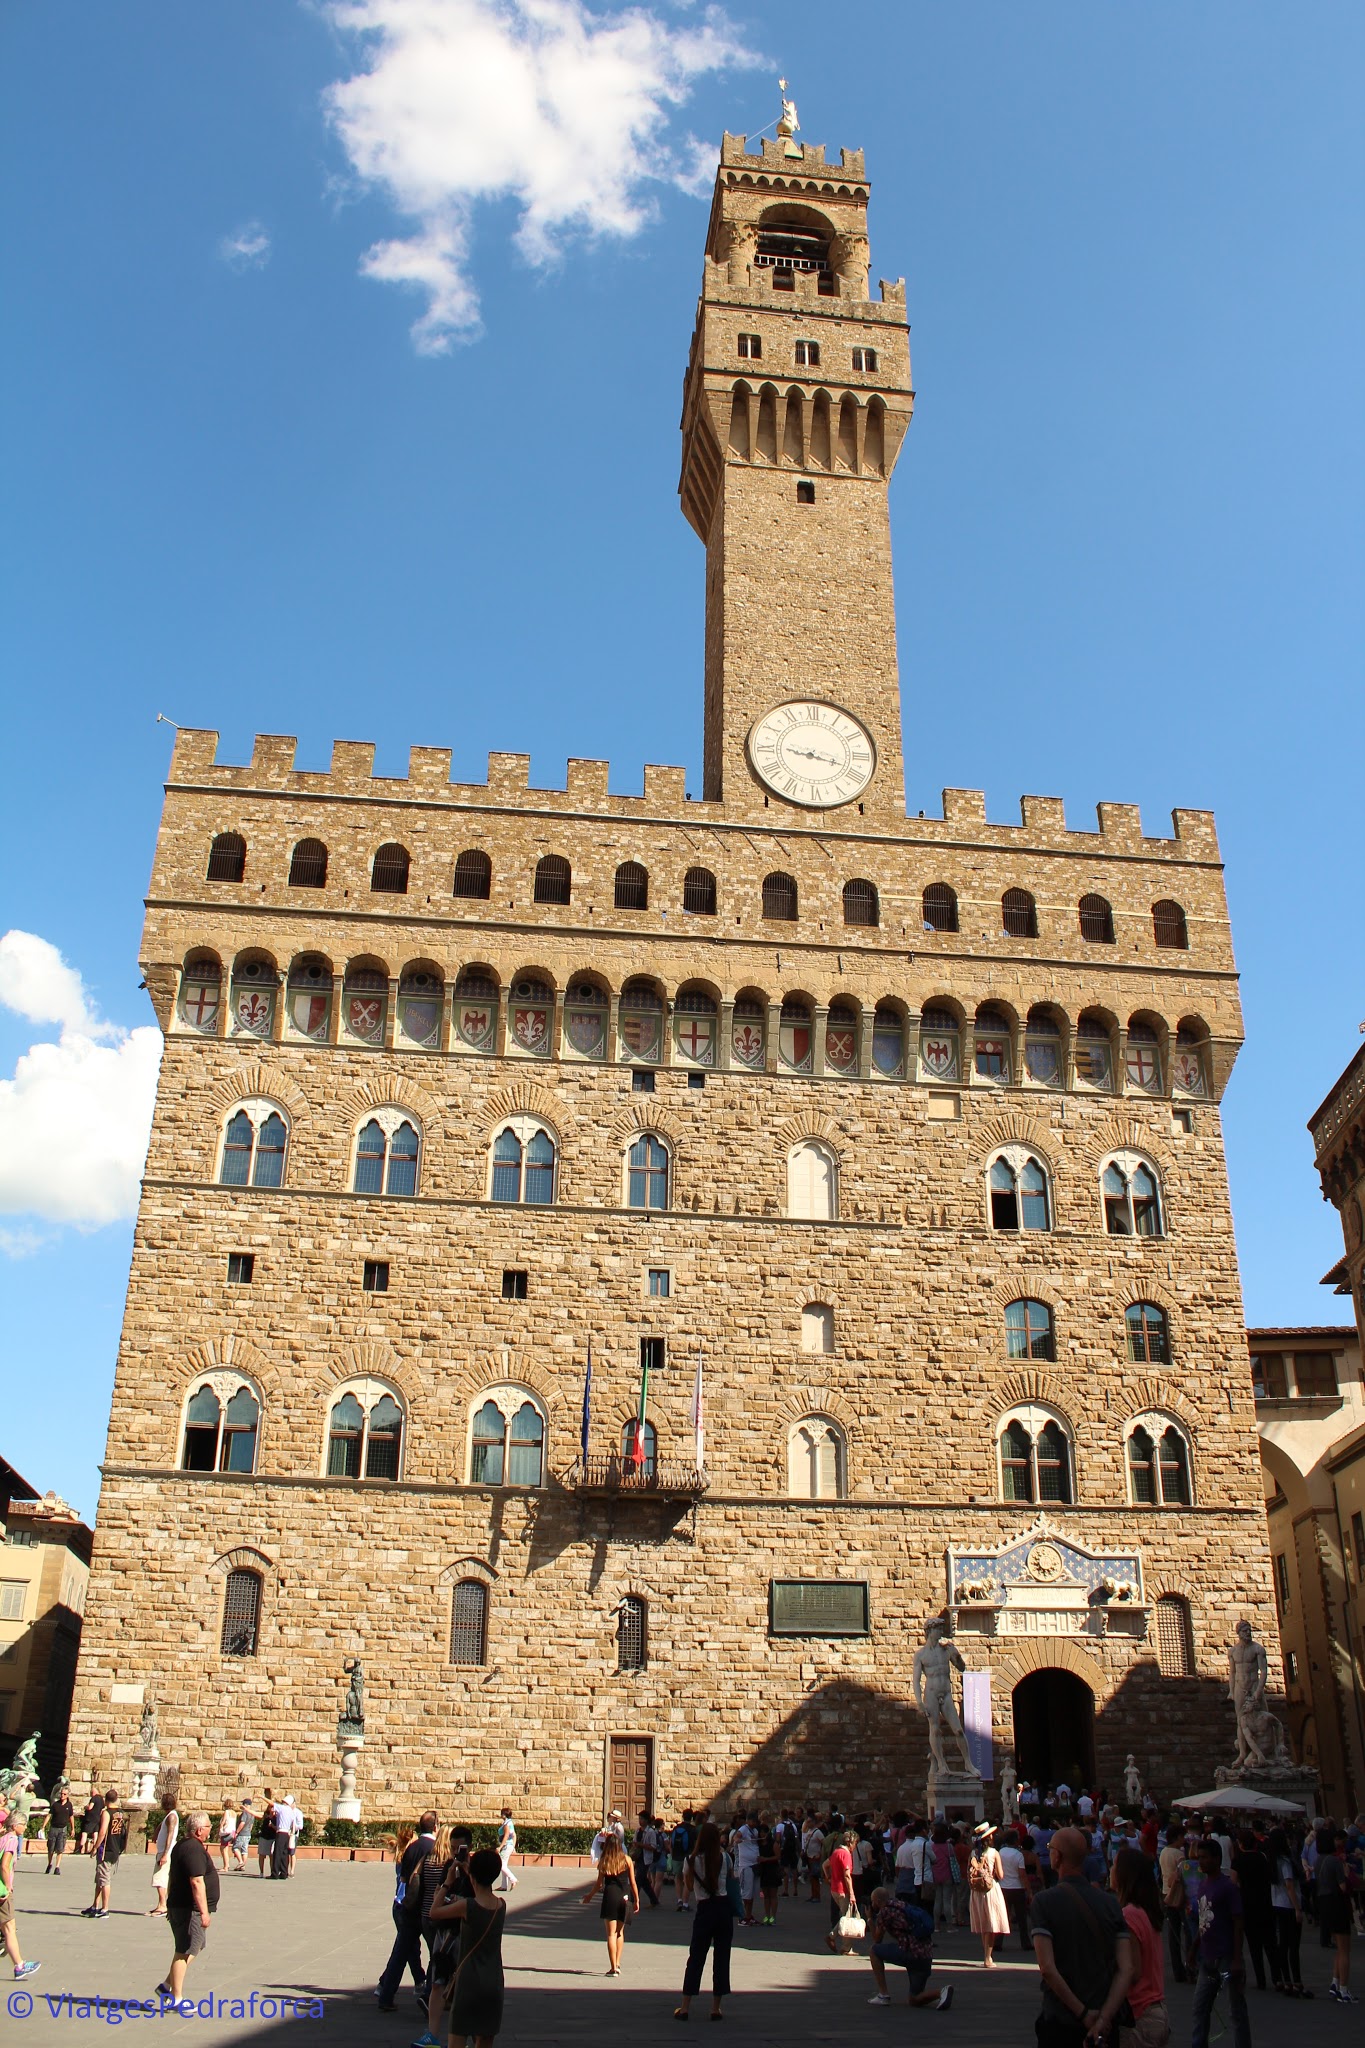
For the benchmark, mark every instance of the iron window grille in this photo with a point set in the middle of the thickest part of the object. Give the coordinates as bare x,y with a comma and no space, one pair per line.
469,1623
632,1634
473,876
227,858
308,865
241,1614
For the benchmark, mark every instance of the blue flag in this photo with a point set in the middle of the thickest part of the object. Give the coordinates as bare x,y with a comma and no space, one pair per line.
587,1403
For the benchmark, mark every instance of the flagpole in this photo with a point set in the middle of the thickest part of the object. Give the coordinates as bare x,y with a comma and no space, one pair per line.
587,1405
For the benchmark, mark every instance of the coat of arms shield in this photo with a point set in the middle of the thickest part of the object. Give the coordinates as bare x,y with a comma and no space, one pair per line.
640,1035
474,1023
365,1018
586,1031
938,1056
840,1045
308,1012
746,1043
531,1029
421,1020
254,1011
1141,1064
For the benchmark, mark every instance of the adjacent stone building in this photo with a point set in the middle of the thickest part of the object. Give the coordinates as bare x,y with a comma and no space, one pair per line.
44,1569
876,1161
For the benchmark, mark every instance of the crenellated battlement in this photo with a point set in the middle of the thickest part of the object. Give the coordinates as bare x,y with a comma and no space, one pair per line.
270,771
788,165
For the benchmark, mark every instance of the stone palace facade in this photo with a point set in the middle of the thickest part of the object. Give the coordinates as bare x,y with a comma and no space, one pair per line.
896,1139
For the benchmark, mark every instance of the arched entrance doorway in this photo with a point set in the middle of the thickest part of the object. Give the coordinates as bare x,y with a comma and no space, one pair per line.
1054,1728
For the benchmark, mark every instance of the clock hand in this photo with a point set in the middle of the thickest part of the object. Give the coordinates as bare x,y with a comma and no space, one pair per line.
809,754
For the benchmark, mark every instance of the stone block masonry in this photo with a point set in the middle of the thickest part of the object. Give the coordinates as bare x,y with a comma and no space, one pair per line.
908,1129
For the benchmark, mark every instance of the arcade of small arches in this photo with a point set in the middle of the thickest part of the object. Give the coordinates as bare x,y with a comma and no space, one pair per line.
696,1025
552,883
365,1427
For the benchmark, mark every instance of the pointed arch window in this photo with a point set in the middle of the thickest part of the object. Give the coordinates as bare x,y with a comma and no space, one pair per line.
365,1433
632,1634
255,1142
1158,1464
473,876
227,858
221,1422
524,1161
1029,1330
308,865
699,892
1019,914
862,905
554,879
386,1155
469,1622
632,886
779,898
1019,1193
389,875
1132,1198
648,1173
817,1460
1096,921
241,1628
1035,1456
940,908
507,1442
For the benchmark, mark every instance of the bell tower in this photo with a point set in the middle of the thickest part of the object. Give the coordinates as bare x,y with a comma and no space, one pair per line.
795,404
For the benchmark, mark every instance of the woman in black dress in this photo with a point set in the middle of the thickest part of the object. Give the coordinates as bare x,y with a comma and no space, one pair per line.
620,1895
477,1984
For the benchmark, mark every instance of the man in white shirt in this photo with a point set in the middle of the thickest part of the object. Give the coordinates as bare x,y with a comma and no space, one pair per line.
613,1828
1085,1807
288,1827
745,1850
910,1862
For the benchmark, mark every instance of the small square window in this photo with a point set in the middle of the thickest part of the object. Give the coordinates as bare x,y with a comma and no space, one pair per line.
805,493
1182,1122
808,352
651,1354
642,1081
513,1284
696,1080
375,1279
241,1268
661,1285
865,359
751,346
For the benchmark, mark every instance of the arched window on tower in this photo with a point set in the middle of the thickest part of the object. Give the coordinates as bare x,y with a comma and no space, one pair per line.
1029,1330
255,1141
1148,1336
386,1154
1169,928
220,1433
389,875
523,1164
817,1460
699,892
647,1173
1019,914
473,876
940,908
632,886
1019,1193
227,858
308,865
779,898
365,1433
1096,920
507,1443
553,879
862,906
812,1182
1132,1197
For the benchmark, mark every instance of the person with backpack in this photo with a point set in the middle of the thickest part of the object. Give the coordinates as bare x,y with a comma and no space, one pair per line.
679,1846
265,1841
1084,1951
902,1934
110,1843
789,1853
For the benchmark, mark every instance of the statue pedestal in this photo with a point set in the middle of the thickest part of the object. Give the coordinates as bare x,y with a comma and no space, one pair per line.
956,1795
146,1771
1298,1782
350,1742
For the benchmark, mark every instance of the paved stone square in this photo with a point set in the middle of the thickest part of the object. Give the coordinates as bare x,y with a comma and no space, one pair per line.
327,1936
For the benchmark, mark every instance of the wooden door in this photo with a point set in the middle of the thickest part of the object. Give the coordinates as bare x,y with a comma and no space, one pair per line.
630,1775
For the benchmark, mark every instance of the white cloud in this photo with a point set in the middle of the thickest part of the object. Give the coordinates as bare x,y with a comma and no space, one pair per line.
247,247
74,1117
542,101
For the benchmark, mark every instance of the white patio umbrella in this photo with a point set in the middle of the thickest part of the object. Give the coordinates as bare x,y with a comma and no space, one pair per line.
1236,1799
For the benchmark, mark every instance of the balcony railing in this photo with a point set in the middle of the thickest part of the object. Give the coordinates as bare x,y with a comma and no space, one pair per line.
658,1478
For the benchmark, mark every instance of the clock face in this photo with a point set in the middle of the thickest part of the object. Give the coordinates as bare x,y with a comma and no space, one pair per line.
812,753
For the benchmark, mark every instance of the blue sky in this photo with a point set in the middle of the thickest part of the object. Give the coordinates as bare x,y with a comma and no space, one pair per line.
237,490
